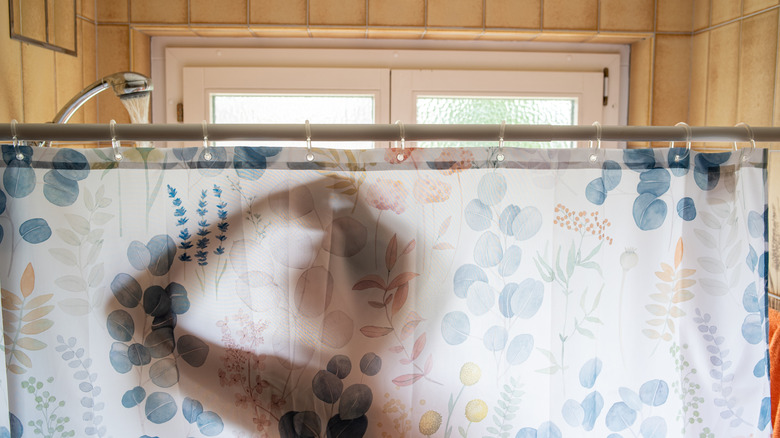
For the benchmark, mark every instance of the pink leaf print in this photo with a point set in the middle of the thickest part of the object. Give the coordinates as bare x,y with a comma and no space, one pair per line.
401,279
369,282
400,298
443,245
396,348
409,247
444,226
407,379
408,328
428,364
373,331
391,253
419,345
405,361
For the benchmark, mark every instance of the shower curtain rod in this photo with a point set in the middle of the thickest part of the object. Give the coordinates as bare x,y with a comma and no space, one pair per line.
381,132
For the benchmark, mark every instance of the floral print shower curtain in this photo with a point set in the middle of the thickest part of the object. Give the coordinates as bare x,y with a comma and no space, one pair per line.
553,293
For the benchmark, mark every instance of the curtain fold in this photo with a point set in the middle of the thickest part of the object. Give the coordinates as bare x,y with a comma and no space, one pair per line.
554,293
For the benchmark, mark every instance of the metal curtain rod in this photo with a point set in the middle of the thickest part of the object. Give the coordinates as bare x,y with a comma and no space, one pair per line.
381,132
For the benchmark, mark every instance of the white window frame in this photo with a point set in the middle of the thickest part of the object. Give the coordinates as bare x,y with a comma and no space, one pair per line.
171,56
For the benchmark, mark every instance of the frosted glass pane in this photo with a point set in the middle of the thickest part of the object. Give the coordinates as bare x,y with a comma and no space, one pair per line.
490,110
274,108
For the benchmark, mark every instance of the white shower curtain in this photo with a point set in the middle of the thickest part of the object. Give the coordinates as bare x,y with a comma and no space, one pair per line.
448,294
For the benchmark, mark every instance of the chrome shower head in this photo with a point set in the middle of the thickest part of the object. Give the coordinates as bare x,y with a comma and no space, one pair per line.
125,84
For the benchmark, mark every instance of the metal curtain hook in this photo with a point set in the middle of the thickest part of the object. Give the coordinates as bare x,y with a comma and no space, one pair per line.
19,154
593,157
309,154
402,136
206,152
115,143
752,140
688,135
501,129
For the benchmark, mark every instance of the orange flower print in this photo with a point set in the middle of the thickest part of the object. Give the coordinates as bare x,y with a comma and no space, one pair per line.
428,190
582,222
387,194
453,161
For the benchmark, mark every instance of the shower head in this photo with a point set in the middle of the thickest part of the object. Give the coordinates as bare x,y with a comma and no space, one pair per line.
126,85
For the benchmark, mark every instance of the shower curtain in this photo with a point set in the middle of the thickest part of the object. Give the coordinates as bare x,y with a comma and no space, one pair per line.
384,293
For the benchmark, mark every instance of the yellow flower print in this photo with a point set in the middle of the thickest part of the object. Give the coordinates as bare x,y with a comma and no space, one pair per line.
476,410
430,422
470,373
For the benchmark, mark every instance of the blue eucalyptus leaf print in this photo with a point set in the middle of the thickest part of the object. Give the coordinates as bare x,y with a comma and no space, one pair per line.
164,373
763,263
355,401
160,342
491,188
478,215
686,209
59,190
163,251
160,407
654,392
465,276
210,424
455,327
326,386
573,413
510,262
178,295
631,398
139,356
639,159
370,364
16,426
118,358
527,301
9,154
592,404
653,427
759,370
250,162
595,192
649,212
126,290
133,397
620,417
19,179
156,301
765,414
71,164
753,329
2,233
138,255
338,427
750,299
480,298
495,338
757,224
192,350
214,166
589,372
35,230
519,349
611,173
506,219
526,432
185,154
679,166
527,223
706,171
2,202
191,409
120,325
340,366
655,181
505,299
751,259
488,251
548,430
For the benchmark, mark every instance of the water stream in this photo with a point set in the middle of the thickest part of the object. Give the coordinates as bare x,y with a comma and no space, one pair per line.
137,106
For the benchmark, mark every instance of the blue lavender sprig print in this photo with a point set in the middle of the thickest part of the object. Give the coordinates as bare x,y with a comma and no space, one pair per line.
223,224
203,242
184,234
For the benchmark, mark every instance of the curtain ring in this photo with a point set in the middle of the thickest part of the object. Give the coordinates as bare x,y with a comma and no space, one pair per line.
309,154
402,136
115,143
593,157
206,153
688,135
752,141
19,154
501,129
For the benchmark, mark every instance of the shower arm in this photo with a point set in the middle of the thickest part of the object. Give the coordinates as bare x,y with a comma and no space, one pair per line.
74,104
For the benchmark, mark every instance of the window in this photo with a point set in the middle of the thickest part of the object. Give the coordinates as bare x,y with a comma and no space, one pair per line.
378,88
